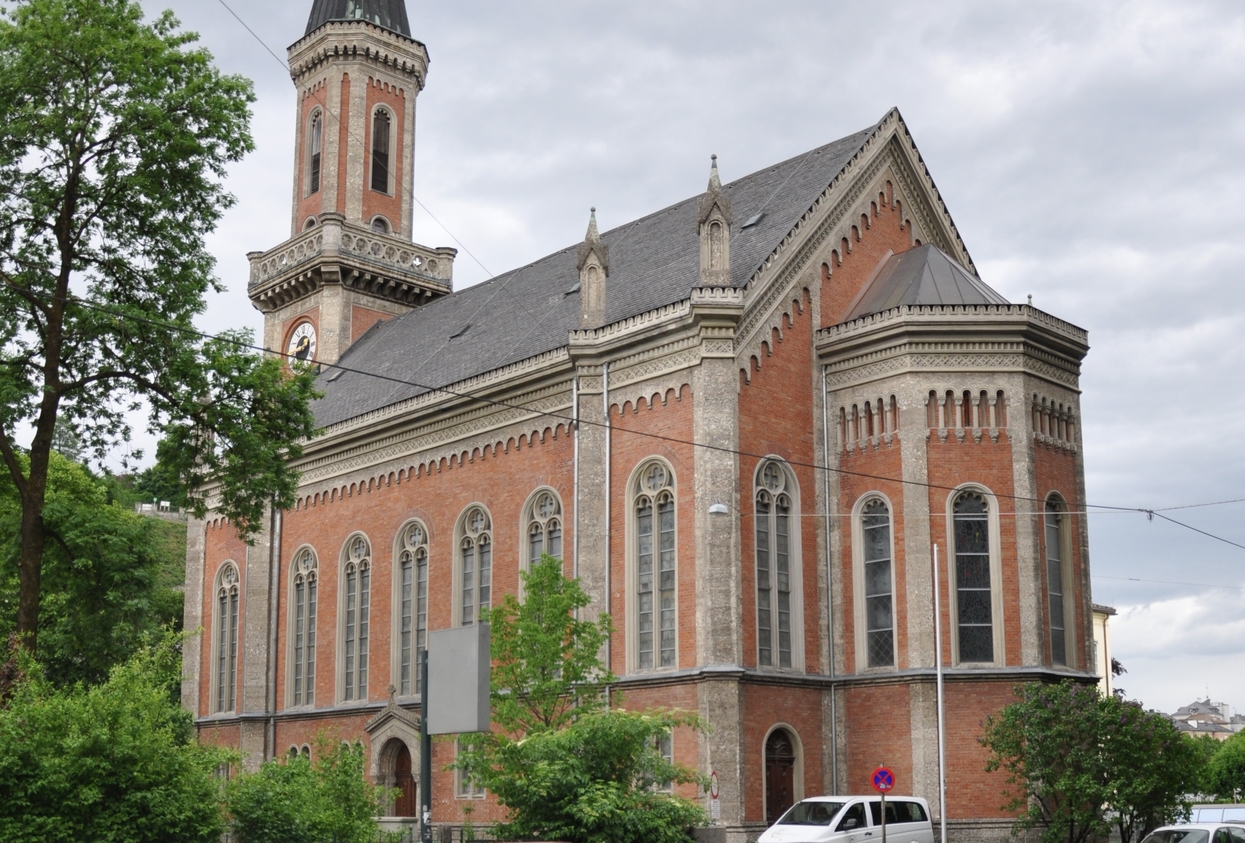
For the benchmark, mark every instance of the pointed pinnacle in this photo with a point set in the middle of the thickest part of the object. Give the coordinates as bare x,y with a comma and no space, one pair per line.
715,183
592,234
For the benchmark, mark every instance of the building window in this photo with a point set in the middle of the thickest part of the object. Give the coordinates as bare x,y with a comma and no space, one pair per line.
544,527
877,575
380,225
1056,579
412,605
475,564
227,596
974,579
653,583
380,150
303,629
315,148
356,598
775,569
466,787
663,745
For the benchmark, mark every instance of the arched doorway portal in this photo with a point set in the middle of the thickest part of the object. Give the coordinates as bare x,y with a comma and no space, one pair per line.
779,774
397,774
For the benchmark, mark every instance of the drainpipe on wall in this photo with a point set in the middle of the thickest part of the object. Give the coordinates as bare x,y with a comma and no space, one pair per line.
575,473
834,695
605,404
274,604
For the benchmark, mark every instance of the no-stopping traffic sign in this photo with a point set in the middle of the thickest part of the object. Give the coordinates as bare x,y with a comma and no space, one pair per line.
883,779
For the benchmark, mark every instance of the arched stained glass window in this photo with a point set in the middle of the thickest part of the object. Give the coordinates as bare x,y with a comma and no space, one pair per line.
380,150
227,597
412,605
774,566
655,563
1055,584
315,148
475,564
356,617
303,628
544,527
879,583
974,594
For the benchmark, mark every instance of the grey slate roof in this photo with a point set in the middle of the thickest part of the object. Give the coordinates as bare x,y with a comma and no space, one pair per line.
924,275
654,261
387,14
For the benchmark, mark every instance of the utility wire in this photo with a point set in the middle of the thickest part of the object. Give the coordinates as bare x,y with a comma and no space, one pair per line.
1168,582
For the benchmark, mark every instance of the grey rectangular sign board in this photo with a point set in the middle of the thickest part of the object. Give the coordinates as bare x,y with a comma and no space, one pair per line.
458,680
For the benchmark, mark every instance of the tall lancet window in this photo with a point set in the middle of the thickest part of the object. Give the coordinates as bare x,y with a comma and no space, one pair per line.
655,564
715,245
774,568
973,592
227,595
412,605
475,564
1055,580
875,529
356,611
315,148
303,584
380,150
544,527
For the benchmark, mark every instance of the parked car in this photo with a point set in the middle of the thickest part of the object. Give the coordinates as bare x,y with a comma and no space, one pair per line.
854,819
1198,833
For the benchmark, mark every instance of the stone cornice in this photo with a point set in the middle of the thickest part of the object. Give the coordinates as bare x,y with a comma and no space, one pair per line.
362,42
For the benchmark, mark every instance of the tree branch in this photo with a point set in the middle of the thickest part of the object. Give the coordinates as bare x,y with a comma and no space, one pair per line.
12,463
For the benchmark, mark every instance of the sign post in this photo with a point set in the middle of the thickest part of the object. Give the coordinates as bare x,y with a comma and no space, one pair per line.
883,780
715,807
425,755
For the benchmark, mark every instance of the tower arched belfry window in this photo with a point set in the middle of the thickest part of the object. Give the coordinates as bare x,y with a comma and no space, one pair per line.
873,552
315,150
411,606
355,617
473,573
1059,581
228,596
543,531
778,578
977,574
653,564
382,124
304,581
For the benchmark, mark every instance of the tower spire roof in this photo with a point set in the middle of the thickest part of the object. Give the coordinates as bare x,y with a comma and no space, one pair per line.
387,14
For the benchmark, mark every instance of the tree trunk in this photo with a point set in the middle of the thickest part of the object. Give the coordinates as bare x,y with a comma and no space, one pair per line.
30,570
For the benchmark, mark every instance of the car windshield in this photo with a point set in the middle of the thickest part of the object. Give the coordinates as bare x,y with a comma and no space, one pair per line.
811,813
1178,835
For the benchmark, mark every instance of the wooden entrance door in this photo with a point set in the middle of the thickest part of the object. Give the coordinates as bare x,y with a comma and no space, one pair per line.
404,806
779,774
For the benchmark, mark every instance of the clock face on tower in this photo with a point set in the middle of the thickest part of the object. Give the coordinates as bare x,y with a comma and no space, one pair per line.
302,345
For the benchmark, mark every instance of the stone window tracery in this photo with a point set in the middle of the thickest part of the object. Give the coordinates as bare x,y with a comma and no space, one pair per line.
475,564
303,585
653,584
976,581
1057,579
356,616
544,527
228,595
412,605
877,568
776,551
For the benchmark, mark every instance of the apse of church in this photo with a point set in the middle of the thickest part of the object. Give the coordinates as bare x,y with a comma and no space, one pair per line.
820,324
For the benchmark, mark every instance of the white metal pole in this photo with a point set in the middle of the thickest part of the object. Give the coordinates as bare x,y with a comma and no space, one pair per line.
942,731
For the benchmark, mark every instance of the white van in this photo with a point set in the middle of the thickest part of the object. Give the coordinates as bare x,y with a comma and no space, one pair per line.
853,819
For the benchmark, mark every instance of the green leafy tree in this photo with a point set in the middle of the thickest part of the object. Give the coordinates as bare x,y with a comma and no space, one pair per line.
114,138
298,801
115,763
1225,773
1076,762
110,577
564,764
546,661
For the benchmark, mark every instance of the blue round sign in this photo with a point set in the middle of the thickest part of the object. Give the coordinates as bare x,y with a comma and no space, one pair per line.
883,779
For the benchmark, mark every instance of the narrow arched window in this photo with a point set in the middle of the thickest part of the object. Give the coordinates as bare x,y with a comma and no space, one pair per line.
973,591
315,148
380,150
355,615
1055,580
412,605
655,561
875,528
303,629
716,258
773,572
227,596
475,564
544,527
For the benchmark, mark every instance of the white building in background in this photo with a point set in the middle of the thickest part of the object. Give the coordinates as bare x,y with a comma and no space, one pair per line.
1102,648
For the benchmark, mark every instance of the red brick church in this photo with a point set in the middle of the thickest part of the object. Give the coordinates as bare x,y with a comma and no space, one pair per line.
744,421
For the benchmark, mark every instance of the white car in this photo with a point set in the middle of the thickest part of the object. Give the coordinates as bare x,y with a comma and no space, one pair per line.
1198,833
855,819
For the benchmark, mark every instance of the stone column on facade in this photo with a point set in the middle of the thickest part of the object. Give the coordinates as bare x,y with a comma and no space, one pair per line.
332,142
591,520
408,163
192,613
255,646
1028,551
720,701
357,129
830,544
1081,539
719,607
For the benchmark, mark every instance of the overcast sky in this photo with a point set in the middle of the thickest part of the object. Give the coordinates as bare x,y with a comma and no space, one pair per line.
1091,154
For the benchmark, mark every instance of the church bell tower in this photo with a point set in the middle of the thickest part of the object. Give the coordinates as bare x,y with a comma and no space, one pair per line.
350,260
